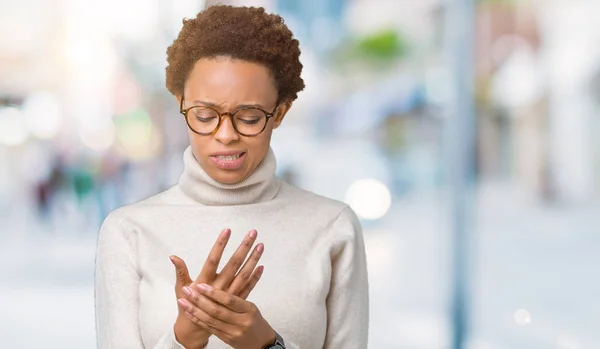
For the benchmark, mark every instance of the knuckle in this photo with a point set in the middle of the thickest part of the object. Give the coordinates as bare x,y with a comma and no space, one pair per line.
245,276
190,309
245,325
236,263
211,321
195,297
230,301
192,319
212,261
215,312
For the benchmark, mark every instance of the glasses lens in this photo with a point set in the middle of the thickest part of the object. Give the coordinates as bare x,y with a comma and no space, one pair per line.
250,121
203,120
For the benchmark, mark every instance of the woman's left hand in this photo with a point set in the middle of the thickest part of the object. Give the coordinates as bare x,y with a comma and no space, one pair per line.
234,320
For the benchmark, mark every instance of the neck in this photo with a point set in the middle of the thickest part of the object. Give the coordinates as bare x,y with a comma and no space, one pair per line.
259,186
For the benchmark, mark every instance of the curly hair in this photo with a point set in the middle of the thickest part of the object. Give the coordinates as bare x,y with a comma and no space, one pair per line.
246,33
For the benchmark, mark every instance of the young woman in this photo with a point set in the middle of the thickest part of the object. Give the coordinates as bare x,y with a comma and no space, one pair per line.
235,72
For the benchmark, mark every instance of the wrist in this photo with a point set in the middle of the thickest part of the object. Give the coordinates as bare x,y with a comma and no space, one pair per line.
276,342
189,340
270,340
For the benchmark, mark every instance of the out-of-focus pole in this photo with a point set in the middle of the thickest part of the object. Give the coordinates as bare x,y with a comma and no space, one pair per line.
460,26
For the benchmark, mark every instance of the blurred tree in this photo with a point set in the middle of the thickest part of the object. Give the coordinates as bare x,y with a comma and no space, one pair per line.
369,54
384,45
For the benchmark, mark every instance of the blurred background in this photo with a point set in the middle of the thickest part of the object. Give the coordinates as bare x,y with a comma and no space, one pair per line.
86,125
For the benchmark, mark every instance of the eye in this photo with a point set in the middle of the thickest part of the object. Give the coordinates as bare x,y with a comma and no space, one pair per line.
250,116
204,114
250,121
205,119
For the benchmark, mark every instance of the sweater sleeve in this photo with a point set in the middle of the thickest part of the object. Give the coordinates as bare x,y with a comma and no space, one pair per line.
116,290
348,298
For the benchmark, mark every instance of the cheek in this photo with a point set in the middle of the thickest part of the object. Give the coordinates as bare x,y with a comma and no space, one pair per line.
262,142
199,144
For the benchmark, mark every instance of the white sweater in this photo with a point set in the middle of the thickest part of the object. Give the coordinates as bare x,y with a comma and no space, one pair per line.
314,289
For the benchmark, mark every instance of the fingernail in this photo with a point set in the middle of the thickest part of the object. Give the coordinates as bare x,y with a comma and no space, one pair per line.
172,259
187,290
261,269
260,248
253,233
225,232
204,287
182,302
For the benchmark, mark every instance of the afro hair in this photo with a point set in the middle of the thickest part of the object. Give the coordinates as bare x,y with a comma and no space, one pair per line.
245,33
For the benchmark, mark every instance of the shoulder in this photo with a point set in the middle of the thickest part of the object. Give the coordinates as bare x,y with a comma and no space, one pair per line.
301,198
125,216
331,212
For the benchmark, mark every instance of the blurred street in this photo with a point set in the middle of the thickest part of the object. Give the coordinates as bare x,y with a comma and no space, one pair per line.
535,283
388,123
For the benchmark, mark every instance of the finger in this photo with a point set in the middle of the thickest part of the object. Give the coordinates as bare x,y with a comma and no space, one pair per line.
243,277
205,326
253,281
182,277
210,307
209,270
207,316
226,300
231,268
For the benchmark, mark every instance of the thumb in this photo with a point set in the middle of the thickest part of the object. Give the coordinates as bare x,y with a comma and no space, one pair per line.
182,274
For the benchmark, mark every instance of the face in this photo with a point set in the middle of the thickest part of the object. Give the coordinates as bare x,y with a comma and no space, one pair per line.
225,84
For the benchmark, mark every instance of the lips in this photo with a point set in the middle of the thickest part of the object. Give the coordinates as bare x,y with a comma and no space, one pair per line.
227,153
229,157
229,160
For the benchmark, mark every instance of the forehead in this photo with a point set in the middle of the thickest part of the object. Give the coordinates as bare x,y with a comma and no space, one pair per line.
227,82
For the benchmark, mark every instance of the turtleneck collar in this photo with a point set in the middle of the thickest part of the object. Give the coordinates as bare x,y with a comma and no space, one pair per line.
261,185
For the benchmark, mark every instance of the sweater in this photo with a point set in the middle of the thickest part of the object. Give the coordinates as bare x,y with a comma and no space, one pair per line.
314,288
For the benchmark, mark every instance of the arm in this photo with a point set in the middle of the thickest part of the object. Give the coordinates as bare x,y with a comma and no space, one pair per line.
348,298
240,324
116,290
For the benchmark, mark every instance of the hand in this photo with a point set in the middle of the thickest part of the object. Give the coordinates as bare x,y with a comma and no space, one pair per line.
234,320
186,332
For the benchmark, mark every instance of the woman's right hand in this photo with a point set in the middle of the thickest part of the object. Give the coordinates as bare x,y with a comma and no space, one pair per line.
229,279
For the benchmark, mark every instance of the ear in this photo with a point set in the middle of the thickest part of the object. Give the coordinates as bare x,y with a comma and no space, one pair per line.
282,109
178,99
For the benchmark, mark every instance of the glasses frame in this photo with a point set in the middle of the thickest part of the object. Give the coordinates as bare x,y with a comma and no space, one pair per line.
186,111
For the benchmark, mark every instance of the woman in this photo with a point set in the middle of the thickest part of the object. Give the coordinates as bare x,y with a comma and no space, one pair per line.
235,72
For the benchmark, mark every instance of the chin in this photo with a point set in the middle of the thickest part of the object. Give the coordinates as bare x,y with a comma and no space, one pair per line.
228,177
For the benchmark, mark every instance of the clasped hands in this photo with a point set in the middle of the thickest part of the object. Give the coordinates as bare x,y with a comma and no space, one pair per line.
215,303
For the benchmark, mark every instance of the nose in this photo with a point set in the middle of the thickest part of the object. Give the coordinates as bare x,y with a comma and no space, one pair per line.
226,133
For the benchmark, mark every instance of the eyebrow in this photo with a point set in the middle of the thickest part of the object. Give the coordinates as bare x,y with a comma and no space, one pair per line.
239,106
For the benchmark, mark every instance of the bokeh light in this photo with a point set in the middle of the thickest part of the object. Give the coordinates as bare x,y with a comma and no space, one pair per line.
98,137
137,138
370,198
13,130
43,115
522,317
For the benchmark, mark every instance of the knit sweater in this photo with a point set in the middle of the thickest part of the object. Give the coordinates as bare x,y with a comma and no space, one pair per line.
314,289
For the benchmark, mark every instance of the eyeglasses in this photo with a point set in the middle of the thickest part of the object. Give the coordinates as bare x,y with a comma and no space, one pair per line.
247,121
